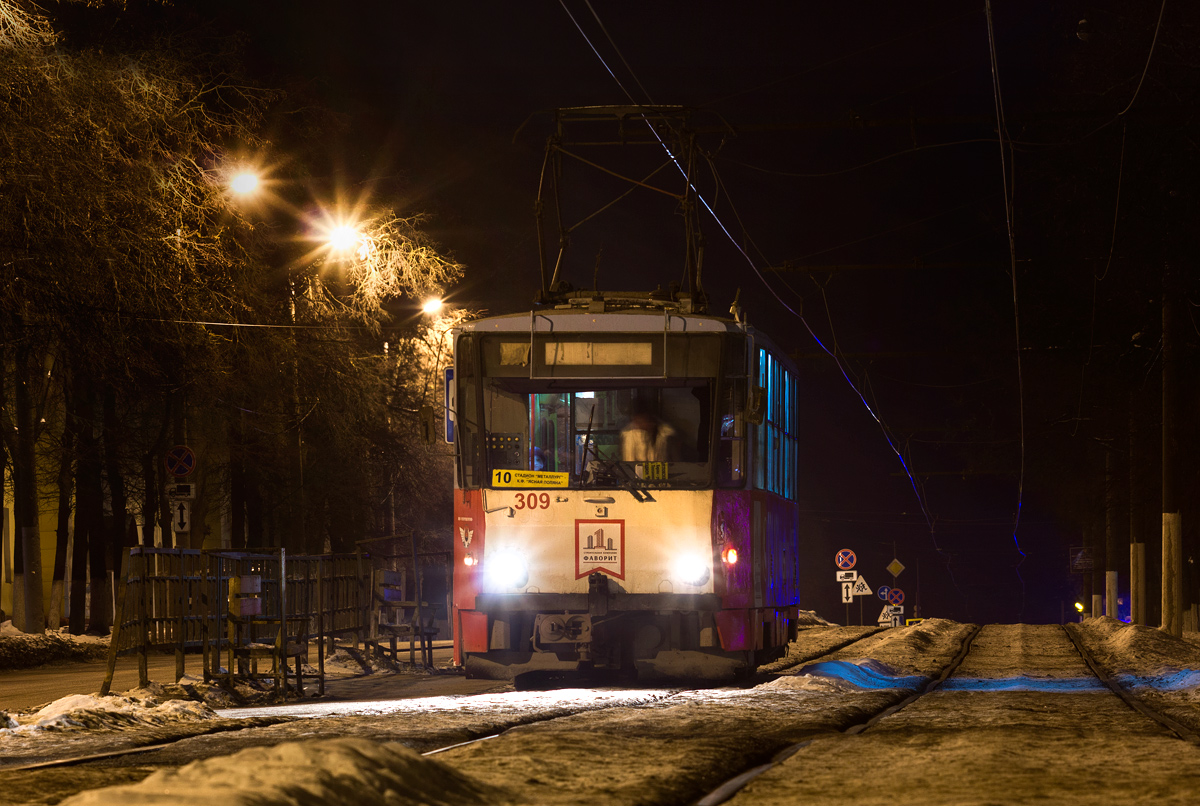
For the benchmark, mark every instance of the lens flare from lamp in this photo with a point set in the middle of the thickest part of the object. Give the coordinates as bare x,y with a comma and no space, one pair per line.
432,305
343,238
244,183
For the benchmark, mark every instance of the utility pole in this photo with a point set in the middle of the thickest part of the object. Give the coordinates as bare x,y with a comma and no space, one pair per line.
1110,533
1137,549
1172,520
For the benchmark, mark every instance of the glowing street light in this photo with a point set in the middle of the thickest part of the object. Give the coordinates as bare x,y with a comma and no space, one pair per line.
432,305
244,183
343,238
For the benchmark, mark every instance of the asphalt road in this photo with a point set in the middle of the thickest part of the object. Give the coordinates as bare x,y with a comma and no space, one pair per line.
23,689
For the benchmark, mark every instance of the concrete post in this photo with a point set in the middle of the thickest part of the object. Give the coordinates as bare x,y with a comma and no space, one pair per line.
1137,583
1172,574
1110,594
1097,605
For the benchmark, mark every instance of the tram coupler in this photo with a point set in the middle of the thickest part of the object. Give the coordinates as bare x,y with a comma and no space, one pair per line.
597,594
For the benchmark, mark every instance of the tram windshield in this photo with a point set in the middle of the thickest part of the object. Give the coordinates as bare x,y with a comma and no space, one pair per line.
610,432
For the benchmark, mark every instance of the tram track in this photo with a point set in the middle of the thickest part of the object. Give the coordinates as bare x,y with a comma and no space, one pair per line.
264,722
731,788
1183,732
735,784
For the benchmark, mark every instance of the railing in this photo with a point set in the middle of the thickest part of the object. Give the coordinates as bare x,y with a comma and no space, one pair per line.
177,599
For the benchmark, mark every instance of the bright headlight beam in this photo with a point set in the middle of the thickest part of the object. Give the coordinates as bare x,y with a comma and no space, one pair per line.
691,570
505,569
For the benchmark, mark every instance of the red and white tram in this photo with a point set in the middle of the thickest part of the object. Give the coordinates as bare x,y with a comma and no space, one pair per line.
625,491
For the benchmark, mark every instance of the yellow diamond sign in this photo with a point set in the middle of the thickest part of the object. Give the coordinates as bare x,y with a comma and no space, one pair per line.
895,567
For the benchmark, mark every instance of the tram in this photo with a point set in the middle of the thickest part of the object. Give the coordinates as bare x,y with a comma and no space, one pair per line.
625,490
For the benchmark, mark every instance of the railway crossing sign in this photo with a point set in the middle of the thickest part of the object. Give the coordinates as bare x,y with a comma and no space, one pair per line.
895,596
883,592
861,588
847,592
845,559
895,568
847,576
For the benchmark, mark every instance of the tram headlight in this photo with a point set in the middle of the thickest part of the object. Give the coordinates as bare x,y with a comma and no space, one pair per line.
505,569
691,569
729,555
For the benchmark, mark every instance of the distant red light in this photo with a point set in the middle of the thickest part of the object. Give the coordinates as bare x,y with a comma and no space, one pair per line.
729,555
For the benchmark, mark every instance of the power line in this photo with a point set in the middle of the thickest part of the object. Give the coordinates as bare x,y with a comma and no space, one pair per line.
883,427
1009,195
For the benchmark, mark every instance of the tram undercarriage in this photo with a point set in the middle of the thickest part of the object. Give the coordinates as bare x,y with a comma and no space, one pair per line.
647,636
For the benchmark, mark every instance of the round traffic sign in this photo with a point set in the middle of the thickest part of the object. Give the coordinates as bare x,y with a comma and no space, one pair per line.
883,592
895,596
845,559
180,461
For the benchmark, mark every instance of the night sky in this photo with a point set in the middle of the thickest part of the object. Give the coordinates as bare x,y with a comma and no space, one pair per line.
854,156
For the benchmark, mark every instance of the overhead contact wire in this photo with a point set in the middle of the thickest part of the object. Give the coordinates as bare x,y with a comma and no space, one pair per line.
1009,195
750,261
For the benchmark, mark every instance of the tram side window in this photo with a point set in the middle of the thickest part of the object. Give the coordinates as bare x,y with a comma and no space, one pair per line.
731,459
468,443
775,465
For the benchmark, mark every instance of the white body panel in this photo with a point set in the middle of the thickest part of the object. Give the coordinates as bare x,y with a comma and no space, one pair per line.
658,533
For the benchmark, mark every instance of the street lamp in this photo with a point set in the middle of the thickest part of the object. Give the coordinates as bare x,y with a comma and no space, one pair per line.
244,183
343,238
432,306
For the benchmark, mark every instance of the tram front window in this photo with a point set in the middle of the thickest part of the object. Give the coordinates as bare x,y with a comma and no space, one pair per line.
650,435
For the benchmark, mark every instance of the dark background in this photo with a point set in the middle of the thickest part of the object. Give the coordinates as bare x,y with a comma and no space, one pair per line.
856,157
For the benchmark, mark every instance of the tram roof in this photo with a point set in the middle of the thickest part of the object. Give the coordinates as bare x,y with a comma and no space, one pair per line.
576,320
632,315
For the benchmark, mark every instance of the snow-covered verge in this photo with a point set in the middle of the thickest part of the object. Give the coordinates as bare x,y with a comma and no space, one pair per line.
814,640
1153,666
19,650
93,712
337,772
81,724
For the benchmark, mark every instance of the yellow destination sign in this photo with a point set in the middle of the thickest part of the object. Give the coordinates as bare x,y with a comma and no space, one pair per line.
529,478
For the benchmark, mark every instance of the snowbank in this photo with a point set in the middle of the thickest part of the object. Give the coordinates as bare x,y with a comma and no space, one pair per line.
1139,652
865,673
92,712
1160,670
336,772
19,650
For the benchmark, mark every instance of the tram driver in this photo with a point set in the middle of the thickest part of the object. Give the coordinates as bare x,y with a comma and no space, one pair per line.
647,438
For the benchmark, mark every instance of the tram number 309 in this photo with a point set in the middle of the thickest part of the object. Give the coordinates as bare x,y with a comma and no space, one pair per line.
532,501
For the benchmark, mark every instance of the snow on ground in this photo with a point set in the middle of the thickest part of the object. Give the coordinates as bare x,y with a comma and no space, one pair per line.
643,746
1153,666
677,749
1021,720
1014,725
20,650
338,772
80,711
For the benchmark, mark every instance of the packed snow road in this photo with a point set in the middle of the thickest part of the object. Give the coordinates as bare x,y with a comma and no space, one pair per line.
1020,719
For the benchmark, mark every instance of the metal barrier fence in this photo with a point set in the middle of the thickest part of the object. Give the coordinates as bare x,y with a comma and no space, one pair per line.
177,599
